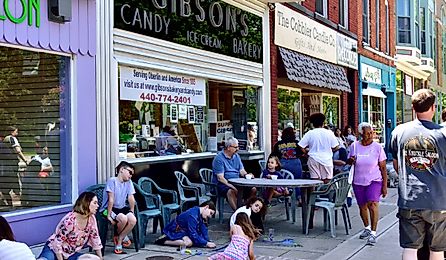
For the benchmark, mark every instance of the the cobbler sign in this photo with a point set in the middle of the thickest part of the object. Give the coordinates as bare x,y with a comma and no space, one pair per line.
204,24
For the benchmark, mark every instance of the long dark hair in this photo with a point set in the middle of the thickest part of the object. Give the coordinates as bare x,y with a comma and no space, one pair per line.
288,134
248,228
5,230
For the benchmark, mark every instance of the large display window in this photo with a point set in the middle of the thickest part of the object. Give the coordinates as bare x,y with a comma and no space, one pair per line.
34,129
289,109
169,114
331,106
373,112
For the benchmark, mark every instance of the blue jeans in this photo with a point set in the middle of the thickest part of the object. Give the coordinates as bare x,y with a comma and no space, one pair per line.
49,254
295,167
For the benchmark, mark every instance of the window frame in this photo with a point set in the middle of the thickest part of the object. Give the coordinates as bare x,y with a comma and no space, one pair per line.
343,12
377,26
405,16
366,21
324,8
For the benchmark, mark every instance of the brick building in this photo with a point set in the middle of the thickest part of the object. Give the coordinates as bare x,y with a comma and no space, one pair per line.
314,64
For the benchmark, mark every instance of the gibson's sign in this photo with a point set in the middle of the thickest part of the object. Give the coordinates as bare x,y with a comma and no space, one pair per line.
204,24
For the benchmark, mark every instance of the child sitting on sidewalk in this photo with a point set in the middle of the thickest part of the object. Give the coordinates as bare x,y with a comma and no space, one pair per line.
272,169
243,233
253,205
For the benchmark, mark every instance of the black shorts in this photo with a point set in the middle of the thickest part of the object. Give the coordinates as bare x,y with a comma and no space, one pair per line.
124,210
416,225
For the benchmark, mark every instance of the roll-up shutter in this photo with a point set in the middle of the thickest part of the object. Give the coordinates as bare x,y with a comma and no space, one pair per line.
33,86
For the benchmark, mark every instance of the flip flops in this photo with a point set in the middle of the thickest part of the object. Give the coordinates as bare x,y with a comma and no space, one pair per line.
125,243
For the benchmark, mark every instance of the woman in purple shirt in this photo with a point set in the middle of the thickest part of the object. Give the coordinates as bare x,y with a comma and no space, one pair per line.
369,179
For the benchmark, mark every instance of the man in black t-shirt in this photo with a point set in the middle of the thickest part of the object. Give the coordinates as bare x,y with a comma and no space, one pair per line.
419,152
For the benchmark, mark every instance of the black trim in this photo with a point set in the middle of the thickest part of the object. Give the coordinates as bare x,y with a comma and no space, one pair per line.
325,21
302,8
347,32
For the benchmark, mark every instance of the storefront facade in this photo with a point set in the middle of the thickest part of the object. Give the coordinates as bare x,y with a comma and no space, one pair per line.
377,100
47,89
185,77
314,64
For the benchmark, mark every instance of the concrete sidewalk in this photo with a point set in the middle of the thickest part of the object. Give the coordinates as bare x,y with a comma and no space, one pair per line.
317,245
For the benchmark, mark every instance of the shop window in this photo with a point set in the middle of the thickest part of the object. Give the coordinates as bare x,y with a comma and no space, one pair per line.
373,112
289,109
35,100
330,107
177,115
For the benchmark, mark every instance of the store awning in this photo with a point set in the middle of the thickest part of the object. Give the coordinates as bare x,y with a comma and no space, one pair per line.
304,69
373,92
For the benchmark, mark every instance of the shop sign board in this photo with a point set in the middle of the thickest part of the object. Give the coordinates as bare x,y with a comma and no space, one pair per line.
161,87
347,52
370,74
206,24
20,11
297,32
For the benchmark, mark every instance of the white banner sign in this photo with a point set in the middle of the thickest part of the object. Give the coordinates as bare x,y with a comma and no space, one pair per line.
297,32
347,52
370,74
161,87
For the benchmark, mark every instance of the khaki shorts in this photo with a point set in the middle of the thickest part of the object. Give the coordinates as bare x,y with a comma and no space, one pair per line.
319,171
416,225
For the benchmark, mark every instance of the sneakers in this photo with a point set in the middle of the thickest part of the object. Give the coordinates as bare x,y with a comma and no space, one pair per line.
371,241
365,234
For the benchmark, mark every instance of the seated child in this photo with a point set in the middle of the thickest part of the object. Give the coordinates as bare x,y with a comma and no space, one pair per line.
272,168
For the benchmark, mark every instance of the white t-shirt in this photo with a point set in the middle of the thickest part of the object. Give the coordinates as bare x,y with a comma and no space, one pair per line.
239,210
11,250
320,142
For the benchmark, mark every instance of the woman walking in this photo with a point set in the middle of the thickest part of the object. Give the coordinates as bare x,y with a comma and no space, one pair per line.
369,179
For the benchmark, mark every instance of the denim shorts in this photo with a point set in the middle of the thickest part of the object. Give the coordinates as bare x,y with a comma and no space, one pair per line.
416,225
49,254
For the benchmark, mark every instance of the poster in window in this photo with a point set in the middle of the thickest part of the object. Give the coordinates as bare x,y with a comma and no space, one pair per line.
199,115
212,115
182,112
173,113
191,114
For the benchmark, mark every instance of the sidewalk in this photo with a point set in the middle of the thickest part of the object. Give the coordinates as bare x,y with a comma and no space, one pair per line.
317,245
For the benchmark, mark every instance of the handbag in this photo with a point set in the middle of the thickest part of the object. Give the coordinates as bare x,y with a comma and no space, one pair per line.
352,169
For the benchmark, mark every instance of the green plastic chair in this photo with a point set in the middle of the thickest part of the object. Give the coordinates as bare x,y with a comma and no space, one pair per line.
338,190
184,184
211,190
262,164
151,209
148,185
102,221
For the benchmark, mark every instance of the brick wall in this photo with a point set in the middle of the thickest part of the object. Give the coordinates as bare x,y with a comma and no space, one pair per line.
273,73
382,30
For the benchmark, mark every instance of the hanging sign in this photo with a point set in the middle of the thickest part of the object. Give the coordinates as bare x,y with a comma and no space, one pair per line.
161,87
370,74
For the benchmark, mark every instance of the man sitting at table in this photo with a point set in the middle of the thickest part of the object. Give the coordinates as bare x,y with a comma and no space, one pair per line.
228,165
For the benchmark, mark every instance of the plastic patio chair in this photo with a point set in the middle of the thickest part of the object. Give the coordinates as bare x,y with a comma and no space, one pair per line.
211,190
340,186
148,185
184,184
262,164
151,210
103,222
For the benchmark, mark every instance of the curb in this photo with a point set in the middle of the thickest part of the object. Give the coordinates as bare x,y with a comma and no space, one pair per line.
350,247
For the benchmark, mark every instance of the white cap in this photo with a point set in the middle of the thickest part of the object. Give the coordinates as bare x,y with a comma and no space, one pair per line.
289,124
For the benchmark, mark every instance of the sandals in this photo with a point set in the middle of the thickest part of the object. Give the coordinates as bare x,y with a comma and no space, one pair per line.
126,243
118,250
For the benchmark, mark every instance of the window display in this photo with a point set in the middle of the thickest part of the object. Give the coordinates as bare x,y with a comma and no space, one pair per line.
164,114
34,129
289,109
373,112
331,108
